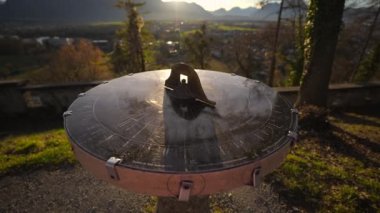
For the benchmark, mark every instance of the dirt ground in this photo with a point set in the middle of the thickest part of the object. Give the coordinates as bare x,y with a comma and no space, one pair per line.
73,189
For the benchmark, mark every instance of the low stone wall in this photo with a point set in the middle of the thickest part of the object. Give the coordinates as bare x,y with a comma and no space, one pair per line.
343,95
53,98
18,98
11,99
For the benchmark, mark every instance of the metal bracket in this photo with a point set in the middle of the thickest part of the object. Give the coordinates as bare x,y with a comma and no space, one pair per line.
293,133
110,165
185,190
81,94
256,178
67,113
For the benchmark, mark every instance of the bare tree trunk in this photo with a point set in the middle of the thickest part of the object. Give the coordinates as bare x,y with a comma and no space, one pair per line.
362,53
273,62
322,30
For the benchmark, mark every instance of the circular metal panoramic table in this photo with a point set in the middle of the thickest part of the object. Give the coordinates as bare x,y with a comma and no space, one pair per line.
181,132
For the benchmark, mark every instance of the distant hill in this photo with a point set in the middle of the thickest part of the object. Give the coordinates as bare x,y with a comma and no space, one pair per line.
85,11
94,10
59,10
236,11
158,10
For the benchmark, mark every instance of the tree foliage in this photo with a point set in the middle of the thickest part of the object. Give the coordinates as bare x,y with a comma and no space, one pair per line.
298,60
370,66
77,62
197,45
370,32
128,56
248,57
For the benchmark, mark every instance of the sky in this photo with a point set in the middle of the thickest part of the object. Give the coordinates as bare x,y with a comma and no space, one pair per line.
212,5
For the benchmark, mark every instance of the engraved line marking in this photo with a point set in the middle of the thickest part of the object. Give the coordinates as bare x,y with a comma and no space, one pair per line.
258,137
146,125
274,125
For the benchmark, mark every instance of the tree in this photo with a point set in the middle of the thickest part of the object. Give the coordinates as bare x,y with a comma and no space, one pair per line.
365,46
275,45
198,46
77,62
119,59
370,66
323,24
297,63
128,55
248,56
292,63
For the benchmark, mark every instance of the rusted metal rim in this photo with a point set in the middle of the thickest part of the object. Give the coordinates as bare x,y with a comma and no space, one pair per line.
167,184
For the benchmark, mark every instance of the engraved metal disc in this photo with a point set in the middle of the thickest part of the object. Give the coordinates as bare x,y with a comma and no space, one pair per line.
133,118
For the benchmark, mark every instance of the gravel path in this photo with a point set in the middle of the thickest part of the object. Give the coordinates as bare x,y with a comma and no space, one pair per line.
75,190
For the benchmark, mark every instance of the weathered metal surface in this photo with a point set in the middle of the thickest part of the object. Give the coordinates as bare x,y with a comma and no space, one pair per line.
163,141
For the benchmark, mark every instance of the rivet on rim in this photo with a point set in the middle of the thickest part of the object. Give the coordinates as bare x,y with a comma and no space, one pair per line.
67,113
293,135
294,111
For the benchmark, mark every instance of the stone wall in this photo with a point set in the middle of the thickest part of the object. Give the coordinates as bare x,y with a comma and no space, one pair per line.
17,98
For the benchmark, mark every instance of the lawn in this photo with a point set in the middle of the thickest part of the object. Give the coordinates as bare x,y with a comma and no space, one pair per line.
34,150
233,28
336,171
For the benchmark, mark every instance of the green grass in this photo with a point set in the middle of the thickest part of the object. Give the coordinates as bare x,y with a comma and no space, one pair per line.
108,23
31,151
21,66
333,173
222,27
233,28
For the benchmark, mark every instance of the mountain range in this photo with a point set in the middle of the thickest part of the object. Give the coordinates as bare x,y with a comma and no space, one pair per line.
85,11
94,10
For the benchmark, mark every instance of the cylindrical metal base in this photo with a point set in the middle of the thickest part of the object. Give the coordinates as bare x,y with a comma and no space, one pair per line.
196,204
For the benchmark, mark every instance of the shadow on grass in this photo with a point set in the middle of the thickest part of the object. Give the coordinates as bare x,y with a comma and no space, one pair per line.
371,145
313,172
334,169
347,145
356,120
